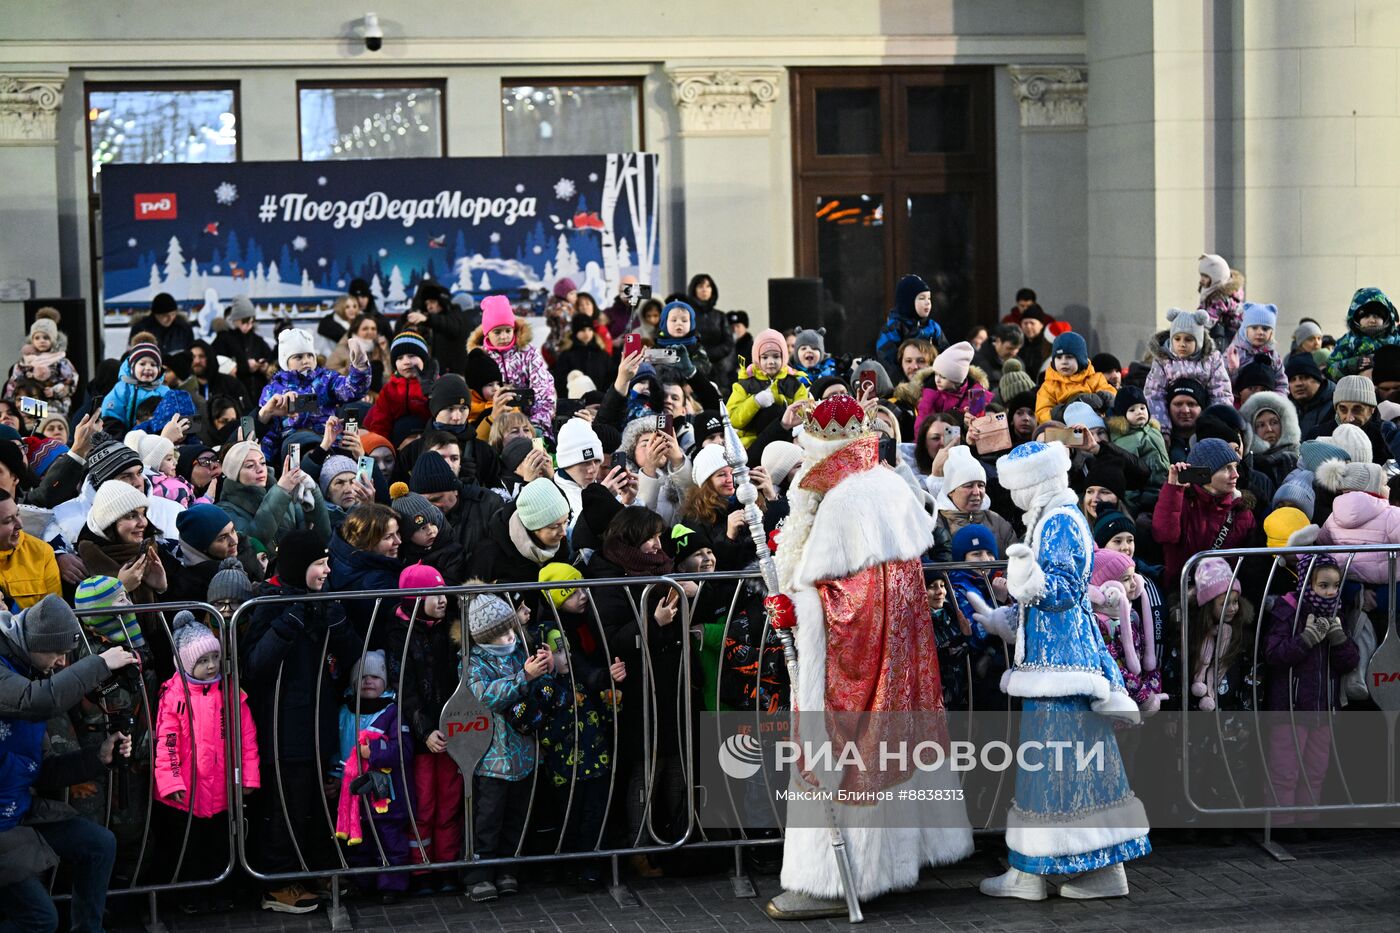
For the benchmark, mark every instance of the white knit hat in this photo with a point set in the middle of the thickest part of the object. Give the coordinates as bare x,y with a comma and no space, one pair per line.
780,458
1215,268
291,342
578,443
234,457
953,362
1351,477
578,384
709,461
112,501
1353,440
154,449
962,468
371,663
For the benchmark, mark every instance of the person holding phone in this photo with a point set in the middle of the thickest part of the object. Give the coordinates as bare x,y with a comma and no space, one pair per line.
1200,507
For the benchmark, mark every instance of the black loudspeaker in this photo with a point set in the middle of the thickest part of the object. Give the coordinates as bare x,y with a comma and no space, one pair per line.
75,325
794,303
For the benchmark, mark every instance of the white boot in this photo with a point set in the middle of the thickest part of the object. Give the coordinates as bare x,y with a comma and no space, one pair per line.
1104,882
1014,883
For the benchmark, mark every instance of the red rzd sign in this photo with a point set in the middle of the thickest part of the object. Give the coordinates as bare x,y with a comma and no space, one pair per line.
155,206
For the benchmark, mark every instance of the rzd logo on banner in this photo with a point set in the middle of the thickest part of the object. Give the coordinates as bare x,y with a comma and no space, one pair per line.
155,206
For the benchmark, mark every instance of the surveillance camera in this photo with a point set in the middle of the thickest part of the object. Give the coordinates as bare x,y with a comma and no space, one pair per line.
374,36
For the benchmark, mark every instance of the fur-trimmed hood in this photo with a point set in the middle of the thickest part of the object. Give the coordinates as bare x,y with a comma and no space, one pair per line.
1233,285
1287,415
908,391
524,335
1161,347
1118,425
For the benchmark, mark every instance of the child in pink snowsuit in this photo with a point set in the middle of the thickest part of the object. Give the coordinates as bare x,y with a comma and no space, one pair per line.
952,386
506,339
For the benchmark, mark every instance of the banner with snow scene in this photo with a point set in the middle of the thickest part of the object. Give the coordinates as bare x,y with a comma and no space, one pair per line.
294,234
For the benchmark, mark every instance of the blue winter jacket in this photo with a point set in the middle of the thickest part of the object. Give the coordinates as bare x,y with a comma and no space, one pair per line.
904,324
331,390
127,395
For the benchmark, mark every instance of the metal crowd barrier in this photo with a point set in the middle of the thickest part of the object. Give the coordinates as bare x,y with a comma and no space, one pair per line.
1268,564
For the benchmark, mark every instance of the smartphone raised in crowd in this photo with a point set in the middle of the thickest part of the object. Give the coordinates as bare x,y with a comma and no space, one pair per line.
245,428
365,469
1195,476
294,456
631,343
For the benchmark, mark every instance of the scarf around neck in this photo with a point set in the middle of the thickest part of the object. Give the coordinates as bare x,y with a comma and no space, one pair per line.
635,562
526,544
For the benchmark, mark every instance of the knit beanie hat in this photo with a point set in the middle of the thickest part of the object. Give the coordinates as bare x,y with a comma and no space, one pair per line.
811,338
413,510
562,288
370,442
496,312
1188,322
1303,364
482,370
1314,453
241,309
143,351
1127,397
1106,363
541,503
577,443
46,327
961,468
295,554
1357,389
154,449
234,457
99,592
769,339
1226,423
1107,475
1306,330
418,576
50,625
1256,315
709,461
1213,454
1214,268
408,343
1295,493
578,384
488,615
1071,344
292,342
1258,373
780,458
974,537
231,583
1188,386
1281,524
41,452
1110,525
1109,565
560,572
371,664
515,452
431,474
192,641
110,459
113,500
953,362
1014,381
686,542
1080,413
1353,440
334,466
200,524
1213,578
1361,476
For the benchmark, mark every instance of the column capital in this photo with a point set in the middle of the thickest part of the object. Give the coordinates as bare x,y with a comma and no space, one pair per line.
1051,95
732,100
29,108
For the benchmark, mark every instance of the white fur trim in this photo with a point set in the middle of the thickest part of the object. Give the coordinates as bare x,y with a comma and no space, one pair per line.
1021,472
811,650
867,519
1040,683
1030,588
1117,705
1090,832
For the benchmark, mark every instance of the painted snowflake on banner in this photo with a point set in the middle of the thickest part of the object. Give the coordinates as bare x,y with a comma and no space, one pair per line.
564,189
592,176
383,252
321,262
226,193
298,243
519,189
495,238
131,241
408,241
321,180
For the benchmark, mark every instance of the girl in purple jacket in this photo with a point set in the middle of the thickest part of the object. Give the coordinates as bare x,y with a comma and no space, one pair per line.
1307,651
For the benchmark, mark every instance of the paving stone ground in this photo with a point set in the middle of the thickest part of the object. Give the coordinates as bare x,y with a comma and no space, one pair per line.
1344,881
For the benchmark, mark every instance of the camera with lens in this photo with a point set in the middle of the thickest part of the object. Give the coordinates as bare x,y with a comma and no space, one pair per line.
524,397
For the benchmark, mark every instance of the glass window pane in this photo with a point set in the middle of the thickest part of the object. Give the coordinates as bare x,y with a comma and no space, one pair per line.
848,121
340,123
851,260
162,126
939,118
942,234
571,119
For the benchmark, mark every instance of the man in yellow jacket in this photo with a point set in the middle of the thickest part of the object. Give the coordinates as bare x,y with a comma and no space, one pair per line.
28,570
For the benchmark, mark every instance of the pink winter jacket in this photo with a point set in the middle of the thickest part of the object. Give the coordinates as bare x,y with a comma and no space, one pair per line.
1206,367
182,755
522,365
1361,518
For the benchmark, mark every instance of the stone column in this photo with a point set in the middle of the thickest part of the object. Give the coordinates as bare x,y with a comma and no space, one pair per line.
726,173
29,211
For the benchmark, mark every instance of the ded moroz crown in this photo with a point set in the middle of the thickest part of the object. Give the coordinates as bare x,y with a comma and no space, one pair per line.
840,416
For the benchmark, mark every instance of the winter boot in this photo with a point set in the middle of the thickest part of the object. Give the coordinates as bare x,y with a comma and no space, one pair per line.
1014,883
793,905
1104,882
